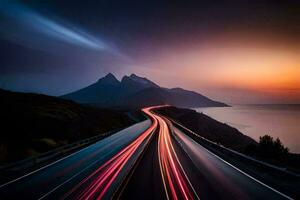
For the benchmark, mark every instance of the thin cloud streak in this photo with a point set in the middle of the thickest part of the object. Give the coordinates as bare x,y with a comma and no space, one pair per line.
35,23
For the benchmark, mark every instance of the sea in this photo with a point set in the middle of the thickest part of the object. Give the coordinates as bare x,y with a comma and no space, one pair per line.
278,121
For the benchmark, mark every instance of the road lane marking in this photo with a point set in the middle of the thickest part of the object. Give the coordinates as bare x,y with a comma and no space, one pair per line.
45,195
12,181
242,172
61,159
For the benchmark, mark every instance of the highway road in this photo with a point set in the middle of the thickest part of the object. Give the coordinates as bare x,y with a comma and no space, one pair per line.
217,179
69,173
150,160
180,168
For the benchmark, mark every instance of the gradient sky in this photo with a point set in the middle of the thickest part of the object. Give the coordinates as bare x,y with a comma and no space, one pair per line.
232,51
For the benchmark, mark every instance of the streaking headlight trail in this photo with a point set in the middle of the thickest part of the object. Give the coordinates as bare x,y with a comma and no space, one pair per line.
176,182
105,175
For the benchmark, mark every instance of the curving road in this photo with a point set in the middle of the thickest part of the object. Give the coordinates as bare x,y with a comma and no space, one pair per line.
180,168
149,160
59,178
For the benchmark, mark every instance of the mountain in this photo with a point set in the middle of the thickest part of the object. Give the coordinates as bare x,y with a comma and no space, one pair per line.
143,81
181,97
100,92
134,91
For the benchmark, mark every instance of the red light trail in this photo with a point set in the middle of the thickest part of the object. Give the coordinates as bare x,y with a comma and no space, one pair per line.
170,165
104,176
176,182
173,175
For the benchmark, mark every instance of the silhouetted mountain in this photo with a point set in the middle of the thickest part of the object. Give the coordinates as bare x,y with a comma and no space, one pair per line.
142,81
101,92
135,91
181,98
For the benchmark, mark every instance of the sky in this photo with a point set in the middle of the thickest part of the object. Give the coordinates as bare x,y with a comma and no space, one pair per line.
239,52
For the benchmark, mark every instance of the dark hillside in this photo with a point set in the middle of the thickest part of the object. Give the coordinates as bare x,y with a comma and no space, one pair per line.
209,128
34,123
228,136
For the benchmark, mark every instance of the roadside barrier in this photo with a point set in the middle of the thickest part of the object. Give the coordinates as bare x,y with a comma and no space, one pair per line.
215,146
43,157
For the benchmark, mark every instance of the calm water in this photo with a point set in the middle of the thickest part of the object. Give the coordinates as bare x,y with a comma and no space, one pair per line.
281,121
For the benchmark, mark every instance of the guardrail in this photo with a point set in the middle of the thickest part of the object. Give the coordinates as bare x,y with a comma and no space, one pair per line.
234,153
31,161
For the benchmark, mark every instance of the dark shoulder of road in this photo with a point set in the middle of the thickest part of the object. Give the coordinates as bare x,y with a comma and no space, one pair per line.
145,182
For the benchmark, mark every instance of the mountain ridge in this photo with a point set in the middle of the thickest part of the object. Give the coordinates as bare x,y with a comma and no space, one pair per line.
135,91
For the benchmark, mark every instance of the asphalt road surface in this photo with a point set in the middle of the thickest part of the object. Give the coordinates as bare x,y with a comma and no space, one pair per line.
176,167
59,178
149,160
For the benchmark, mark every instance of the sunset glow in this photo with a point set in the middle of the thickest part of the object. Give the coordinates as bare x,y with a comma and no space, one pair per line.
237,57
275,72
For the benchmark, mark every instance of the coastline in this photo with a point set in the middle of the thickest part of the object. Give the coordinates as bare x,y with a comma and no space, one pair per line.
278,121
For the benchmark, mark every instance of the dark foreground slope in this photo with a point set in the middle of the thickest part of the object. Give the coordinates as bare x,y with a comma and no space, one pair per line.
33,123
209,128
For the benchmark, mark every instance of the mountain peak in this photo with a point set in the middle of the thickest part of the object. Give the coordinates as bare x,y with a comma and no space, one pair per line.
141,80
109,79
134,76
110,75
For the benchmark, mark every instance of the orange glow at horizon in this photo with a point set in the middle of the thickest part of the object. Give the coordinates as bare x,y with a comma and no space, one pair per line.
262,77
275,72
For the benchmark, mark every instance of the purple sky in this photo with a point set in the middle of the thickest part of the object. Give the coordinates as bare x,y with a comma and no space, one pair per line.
233,51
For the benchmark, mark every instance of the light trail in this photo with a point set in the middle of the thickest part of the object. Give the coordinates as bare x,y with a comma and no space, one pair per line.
176,183
104,180
104,176
175,180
